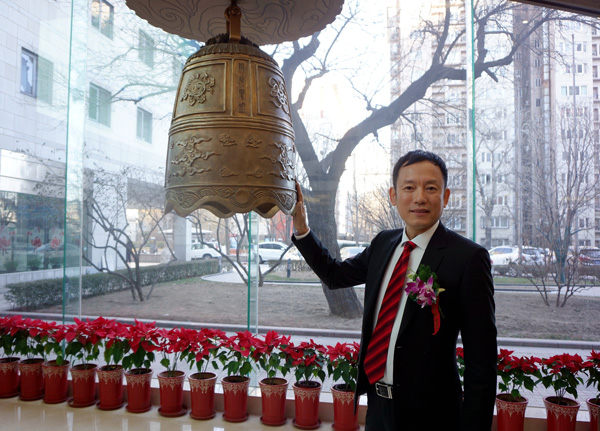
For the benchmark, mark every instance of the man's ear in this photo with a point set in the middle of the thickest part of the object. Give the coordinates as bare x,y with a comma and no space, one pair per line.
446,196
393,195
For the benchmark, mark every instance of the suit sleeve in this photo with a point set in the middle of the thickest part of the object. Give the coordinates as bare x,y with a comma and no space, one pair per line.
334,273
478,332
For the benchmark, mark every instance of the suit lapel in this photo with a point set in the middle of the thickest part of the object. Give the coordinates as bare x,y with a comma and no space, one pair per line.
432,257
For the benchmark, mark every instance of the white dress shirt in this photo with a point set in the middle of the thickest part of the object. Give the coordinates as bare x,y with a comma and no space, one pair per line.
421,241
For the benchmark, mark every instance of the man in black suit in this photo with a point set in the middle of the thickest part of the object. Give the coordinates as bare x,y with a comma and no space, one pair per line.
420,389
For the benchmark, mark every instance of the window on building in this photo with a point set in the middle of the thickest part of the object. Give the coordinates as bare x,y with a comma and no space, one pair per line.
99,108
500,222
485,178
146,49
455,201
28,72
144,125
103,17
538,82
538,102
36,76
537,62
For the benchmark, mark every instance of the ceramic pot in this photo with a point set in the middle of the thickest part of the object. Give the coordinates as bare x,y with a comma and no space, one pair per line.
593,405
510,414
84,385
306,401
563,416
32,379
56,378
235,397
9,377
138,390
110,387
273,395
344,418
171,393
202,395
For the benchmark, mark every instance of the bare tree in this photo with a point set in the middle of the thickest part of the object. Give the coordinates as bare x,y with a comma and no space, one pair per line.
310,61
566,188
235,227
116,238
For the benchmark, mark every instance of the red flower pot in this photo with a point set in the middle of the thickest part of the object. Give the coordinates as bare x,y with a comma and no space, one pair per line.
563,416
273,394
110,387
306,401
510,414
235,397
56,378
594,409
171,393
344,418
9,377
84,385
138,390
32,379
202,395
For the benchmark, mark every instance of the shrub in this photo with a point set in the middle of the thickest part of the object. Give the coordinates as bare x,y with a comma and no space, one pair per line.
32,295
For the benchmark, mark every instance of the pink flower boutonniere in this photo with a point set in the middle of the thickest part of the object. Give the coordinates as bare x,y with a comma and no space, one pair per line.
426,292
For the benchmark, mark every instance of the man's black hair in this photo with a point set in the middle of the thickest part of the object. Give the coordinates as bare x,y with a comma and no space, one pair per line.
417,156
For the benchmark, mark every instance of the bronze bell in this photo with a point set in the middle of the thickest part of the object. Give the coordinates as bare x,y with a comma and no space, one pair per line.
231,141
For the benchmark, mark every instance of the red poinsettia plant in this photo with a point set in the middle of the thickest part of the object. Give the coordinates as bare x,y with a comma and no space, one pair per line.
205,349
342,364
116,342
143,342
13,336
517,373
80,341
174,344
269,354
309,360
238,350
592,368
38,341
560,372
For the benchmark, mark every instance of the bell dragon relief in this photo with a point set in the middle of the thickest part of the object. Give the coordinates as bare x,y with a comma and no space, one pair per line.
231,142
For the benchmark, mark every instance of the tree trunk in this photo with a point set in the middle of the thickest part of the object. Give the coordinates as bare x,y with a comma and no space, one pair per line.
321,214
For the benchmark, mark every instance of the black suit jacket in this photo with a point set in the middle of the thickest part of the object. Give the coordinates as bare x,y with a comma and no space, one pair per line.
426,382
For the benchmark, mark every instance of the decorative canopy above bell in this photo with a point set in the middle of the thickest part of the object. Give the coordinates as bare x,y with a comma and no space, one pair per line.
263,21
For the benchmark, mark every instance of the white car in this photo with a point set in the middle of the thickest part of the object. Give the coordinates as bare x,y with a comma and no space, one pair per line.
203,251
504,254
272,250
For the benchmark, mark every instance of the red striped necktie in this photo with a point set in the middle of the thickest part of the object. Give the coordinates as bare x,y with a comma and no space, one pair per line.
377,350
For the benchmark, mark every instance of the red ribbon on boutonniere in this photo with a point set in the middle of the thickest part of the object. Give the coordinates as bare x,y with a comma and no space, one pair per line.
426,292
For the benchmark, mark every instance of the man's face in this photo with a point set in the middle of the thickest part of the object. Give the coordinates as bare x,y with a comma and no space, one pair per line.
419,196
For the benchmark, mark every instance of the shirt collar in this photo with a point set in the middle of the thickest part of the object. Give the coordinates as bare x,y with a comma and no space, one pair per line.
421,240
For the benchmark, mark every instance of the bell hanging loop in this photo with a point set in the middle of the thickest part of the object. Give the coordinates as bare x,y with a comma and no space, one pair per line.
233,15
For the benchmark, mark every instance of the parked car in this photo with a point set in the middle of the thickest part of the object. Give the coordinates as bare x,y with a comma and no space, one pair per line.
589,256
347,252
203,251
272,250
503,255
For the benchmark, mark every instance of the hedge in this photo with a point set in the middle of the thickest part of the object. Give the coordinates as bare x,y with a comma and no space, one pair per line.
32,295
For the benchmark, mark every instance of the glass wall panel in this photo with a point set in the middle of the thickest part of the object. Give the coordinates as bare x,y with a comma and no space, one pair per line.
507,94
